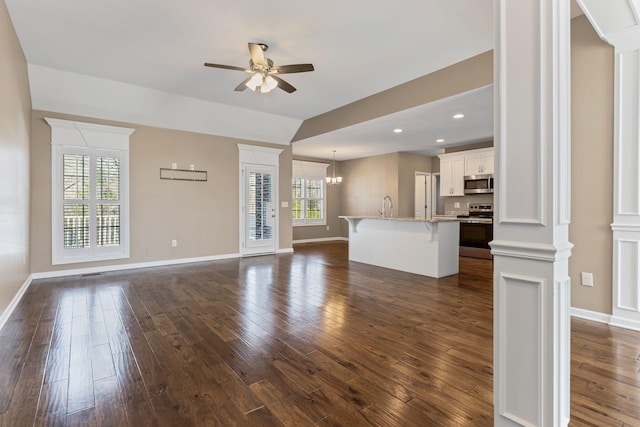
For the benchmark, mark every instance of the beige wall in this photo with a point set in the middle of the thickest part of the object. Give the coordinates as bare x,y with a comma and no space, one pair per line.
592,64
472,73
365,183
334,209
408,165
368,180
15,113
202,216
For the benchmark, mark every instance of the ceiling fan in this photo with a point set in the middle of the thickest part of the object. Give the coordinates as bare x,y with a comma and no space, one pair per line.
263,78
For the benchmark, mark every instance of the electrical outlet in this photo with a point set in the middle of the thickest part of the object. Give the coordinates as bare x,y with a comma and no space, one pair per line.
328,228
174,166
456,205
285,204
174,243
587,279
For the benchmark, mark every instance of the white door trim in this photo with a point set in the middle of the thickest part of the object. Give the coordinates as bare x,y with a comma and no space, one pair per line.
265,156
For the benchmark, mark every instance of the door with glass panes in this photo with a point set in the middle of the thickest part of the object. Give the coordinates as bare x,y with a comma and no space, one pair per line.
259,209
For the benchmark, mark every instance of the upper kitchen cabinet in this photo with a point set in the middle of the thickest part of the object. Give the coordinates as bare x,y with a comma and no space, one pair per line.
452,168
478,162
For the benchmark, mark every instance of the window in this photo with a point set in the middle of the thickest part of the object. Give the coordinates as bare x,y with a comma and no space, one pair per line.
308,204
89,202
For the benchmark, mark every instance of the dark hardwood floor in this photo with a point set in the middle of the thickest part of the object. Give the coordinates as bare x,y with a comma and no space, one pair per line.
298,339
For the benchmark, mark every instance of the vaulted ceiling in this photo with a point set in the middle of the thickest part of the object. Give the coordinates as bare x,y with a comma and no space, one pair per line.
142,62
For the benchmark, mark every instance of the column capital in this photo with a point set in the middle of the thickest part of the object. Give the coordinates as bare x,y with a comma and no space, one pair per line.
616,22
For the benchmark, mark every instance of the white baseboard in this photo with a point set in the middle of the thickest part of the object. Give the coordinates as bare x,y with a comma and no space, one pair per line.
608,319
590,315
14,302
625,323
285,251
322,239
102,269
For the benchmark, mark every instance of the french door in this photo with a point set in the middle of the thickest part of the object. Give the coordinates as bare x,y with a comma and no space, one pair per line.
259,209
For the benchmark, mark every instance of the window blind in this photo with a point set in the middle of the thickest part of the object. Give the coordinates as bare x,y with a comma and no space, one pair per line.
309,170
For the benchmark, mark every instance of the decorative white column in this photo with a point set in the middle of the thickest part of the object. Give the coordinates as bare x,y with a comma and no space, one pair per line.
626,196
617,24
532,207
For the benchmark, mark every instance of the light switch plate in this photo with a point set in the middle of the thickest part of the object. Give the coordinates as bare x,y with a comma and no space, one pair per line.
587,279
285,204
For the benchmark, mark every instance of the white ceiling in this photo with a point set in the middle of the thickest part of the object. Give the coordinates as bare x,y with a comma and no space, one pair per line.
421,127
358,48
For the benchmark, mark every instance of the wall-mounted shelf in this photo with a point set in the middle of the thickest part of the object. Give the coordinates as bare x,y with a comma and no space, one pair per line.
183,174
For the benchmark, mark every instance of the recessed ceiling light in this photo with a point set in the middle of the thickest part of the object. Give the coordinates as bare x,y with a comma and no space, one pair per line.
440,140
458,116
397,130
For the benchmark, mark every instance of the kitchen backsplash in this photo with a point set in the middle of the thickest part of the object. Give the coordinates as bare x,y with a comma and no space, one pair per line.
450,203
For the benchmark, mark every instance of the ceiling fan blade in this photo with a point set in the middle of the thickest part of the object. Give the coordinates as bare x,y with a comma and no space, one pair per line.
257,55
294,68
284,85
242,86
227,67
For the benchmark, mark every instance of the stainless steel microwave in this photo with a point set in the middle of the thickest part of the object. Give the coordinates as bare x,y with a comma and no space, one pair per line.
478,184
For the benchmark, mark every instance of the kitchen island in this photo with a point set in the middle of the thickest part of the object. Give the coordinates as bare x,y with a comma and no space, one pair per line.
426,246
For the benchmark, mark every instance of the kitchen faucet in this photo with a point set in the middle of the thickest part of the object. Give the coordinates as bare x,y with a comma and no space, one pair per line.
383,212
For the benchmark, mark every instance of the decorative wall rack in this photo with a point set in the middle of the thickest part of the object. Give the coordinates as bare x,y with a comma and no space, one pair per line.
183,174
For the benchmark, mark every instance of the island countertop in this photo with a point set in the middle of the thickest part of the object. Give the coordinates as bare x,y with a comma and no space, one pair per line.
402,218
427,246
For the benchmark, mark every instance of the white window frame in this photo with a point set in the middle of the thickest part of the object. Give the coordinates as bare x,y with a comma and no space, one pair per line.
70,137
310,171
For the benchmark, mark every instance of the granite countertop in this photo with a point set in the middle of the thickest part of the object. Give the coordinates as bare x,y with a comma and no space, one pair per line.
404,218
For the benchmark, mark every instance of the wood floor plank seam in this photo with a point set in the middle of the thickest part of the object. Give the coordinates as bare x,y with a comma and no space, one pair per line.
302,339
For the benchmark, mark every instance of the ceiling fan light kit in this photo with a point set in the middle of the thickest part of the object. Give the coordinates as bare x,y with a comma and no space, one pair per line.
261,83
262,68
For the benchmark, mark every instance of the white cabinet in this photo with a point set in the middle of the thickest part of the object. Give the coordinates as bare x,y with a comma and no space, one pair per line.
452,175
454,166
478,162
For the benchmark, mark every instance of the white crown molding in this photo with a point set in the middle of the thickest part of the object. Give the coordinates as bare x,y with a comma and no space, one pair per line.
616,22
259,155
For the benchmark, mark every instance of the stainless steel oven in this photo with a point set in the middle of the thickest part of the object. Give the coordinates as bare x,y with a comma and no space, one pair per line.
476,231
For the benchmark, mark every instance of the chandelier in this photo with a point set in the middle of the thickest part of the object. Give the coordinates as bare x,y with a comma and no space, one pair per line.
333,179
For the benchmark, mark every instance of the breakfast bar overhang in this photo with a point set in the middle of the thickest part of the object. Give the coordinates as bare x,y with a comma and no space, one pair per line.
426,246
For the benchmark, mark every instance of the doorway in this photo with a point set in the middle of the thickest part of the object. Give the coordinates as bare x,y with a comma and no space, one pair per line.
425,199
258,200
259,210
